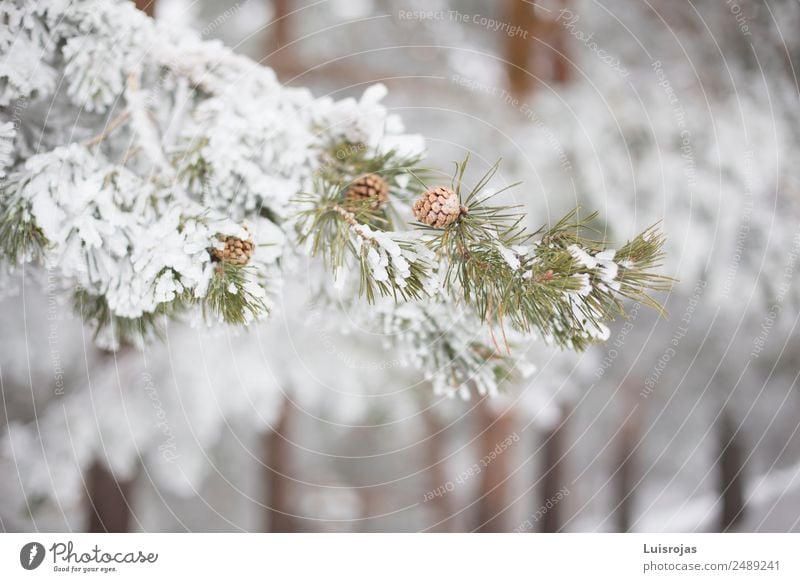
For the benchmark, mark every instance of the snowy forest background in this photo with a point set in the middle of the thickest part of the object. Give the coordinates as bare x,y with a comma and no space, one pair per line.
684,113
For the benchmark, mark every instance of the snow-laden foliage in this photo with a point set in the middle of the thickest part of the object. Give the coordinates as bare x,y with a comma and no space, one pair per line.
454,349
7,133
161,145
166,149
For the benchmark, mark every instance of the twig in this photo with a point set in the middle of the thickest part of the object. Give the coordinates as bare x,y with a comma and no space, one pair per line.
112,125
129,154
348,216
350,219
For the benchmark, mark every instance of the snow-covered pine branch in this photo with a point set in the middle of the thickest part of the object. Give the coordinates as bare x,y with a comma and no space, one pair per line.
469,252
160,176
156,149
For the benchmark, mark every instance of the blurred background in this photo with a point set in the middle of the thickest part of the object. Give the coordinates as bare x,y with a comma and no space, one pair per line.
683,113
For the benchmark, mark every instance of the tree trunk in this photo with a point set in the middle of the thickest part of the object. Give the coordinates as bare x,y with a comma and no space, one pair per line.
434,455
561,69
277,467
627,441
494,473
731,472
554,479
518,47
109,507
147,6
278,31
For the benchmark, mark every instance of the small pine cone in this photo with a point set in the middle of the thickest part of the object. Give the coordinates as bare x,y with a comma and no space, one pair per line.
236,251
438,207
369,187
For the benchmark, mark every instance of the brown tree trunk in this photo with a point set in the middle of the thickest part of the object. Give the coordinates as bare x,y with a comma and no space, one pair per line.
518,46
109,507
554,479
561,69
731,473
494,473
147,6
278,32
625,476
434,455
277,467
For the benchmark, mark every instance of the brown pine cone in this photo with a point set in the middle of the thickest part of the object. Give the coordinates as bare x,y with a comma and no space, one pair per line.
236,250
438,207
369,188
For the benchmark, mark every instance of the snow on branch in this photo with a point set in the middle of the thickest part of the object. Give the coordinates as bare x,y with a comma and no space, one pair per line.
171,178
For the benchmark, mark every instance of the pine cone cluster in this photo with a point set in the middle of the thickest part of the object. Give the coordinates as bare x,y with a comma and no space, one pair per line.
236,251
438,207
369,188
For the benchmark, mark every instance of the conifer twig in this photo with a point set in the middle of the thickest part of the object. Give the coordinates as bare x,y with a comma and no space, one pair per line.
108,129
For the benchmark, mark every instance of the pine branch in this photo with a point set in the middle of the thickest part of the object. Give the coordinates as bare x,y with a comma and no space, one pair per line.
448,344
108,129
342,162
135,331
389,263
233,297
557,282
20,237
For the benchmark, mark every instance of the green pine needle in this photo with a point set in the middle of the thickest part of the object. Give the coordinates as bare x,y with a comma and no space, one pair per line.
94,311
228,297
541,293
20,237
